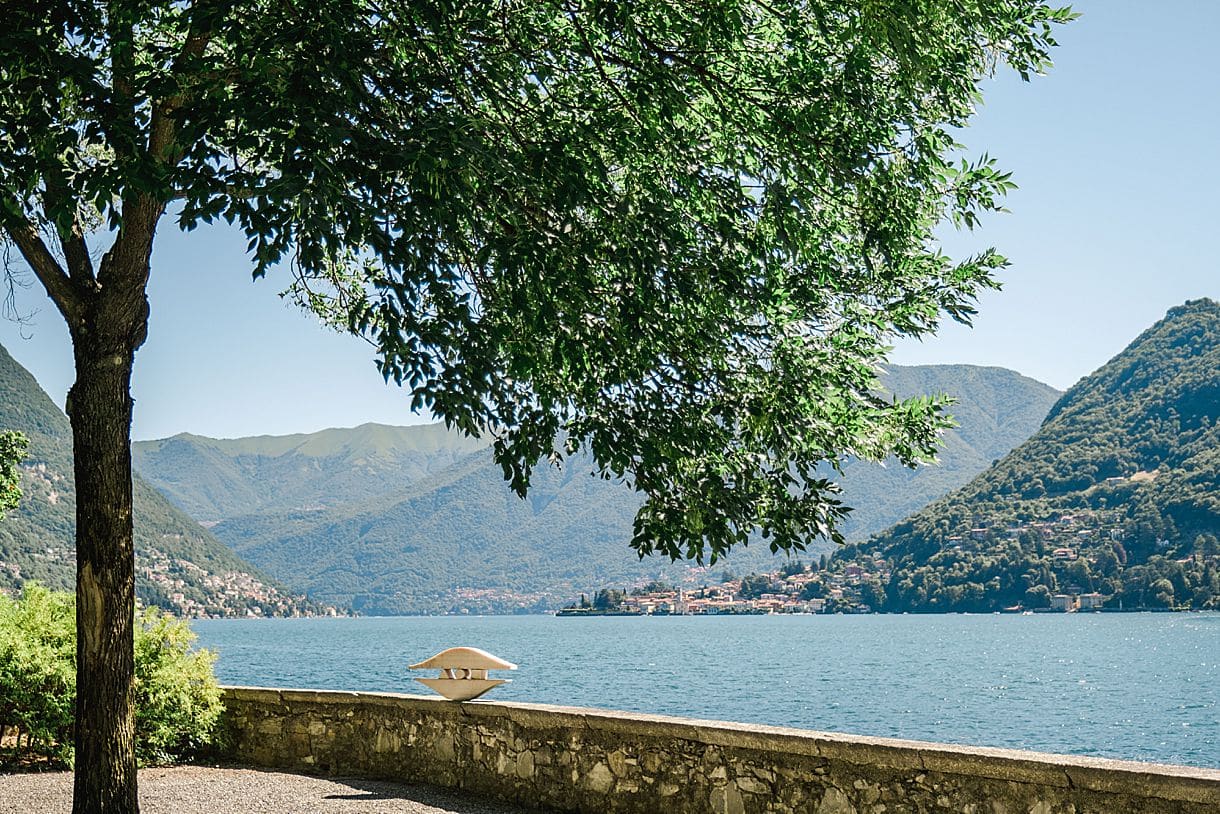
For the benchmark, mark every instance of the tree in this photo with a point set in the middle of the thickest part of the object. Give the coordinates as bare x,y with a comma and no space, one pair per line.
12,452
792,568
1162,593
1038,596
872,593
815,589
680,242
608,599
755,585
656,586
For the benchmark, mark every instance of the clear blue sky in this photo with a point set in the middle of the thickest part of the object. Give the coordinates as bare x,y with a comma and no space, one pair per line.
1116,220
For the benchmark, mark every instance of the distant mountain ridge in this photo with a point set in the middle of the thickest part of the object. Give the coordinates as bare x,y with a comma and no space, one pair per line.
179,565
214,478
1118,493
417,519
996,409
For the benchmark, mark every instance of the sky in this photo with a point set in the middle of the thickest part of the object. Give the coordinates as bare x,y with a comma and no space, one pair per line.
1115,221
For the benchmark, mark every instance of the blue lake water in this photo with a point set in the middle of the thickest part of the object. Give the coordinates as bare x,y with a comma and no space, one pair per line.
1134,686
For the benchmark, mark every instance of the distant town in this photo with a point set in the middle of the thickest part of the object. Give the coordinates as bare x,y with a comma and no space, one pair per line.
234,593
187,590
809,590
806,591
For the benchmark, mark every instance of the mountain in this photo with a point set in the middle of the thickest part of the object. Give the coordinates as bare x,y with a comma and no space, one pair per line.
1116,494
417,519
180,566
214,479
995,410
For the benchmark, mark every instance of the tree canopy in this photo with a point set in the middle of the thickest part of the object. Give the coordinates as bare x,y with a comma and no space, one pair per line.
677,236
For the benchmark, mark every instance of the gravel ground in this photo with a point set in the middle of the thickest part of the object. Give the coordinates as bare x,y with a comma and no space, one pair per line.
207,790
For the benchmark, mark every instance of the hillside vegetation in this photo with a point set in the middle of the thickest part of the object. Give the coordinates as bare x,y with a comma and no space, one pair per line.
1117,494
417,519
180,566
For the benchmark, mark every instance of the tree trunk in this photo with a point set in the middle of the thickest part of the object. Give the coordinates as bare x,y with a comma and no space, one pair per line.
100,407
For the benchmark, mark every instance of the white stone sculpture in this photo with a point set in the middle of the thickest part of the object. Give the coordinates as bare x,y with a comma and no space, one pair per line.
463,672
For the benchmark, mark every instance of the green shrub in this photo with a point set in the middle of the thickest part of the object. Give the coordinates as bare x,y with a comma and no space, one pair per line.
177,697
38,671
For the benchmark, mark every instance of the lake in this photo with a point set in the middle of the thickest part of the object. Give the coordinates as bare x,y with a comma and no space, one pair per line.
1134,686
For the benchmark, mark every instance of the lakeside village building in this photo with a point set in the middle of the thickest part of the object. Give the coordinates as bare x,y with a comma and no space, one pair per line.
716,600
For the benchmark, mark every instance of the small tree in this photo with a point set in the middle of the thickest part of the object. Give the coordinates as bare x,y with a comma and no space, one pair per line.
1161,592
755,585
681,242
872,593
815,589
37,674
12,452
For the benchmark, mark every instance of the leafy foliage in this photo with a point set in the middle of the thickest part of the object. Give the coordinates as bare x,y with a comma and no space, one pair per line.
13,447
1116,493
395,519
608,599
755,585
177,697
38,670
676,241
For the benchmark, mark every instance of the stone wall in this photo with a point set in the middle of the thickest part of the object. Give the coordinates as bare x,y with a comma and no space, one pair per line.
598,761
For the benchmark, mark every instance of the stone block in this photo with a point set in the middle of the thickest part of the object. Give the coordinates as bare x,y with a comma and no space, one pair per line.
599,779
726,800
525,765
752,785
617,761
834,801
270,726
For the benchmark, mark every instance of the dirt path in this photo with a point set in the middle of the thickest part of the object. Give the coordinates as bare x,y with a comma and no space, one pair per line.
207,790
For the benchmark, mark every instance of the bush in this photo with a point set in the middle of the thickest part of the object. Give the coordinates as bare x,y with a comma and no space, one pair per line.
38,672
177,697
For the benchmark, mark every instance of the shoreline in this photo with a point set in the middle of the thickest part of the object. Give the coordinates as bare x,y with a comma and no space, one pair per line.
582,614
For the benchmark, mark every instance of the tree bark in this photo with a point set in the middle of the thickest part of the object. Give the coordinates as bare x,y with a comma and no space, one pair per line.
100,409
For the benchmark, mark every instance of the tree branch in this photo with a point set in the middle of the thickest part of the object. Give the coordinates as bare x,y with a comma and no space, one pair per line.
124,270
59,286
162,129
72,239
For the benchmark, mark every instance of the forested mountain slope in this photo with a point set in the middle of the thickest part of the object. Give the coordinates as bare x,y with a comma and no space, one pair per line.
179,565
1117,493
411,519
